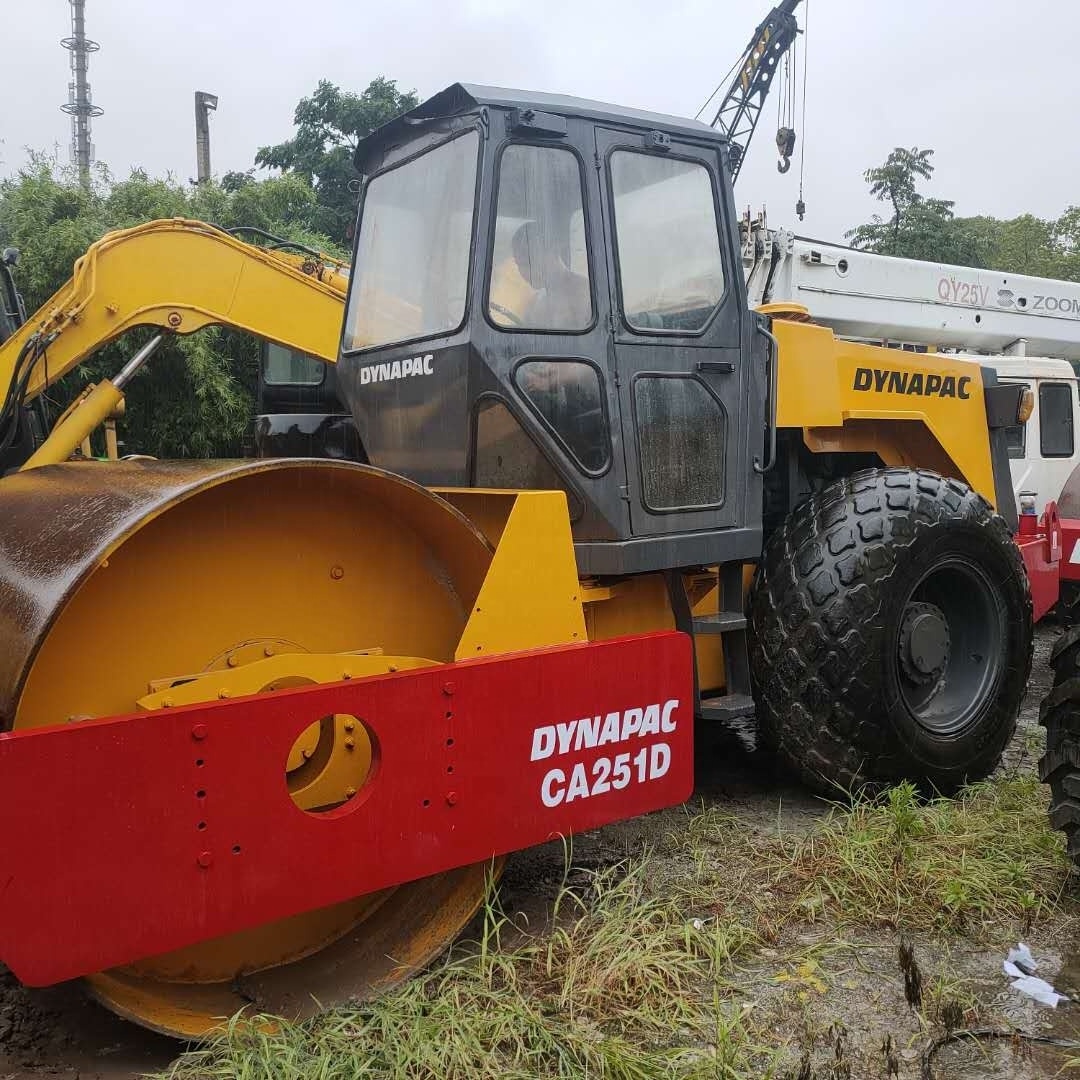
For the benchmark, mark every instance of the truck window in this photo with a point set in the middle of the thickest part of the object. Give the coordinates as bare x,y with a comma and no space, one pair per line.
539,270
1056,419
505,457
671,273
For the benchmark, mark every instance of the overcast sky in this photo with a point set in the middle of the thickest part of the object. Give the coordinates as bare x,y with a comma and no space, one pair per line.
990,85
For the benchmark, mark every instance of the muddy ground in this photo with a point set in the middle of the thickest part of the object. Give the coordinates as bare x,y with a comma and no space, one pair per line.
853,1021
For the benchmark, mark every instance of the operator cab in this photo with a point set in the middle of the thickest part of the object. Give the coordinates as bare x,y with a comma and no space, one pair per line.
12,312
23,432
298,409
548,293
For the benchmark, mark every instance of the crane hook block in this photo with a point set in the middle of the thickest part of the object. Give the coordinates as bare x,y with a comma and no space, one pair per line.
785,147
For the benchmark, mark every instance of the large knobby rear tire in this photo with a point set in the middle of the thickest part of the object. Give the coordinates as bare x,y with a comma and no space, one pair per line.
890,634
1060,765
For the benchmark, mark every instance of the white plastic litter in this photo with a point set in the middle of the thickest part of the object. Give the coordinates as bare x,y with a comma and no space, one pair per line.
1021,957
1019,966
1039,989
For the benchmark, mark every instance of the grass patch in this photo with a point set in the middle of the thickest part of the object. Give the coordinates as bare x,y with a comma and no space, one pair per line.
979,861
982,859
624,988
636,980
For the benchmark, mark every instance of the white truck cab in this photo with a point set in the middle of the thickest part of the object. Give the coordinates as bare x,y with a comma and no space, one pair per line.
1043,451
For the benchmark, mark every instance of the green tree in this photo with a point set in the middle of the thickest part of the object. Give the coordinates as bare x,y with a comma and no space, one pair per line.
919,228
894,182
195,397
925,228
329,125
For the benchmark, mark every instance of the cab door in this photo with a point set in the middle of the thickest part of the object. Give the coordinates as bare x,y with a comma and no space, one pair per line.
678,316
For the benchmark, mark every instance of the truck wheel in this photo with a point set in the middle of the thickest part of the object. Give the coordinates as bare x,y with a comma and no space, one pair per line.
890,634
1060,765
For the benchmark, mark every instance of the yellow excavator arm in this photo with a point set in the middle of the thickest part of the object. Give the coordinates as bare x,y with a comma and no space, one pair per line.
180,275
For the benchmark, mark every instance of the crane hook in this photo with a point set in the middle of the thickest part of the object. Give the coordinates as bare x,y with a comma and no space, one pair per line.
785,147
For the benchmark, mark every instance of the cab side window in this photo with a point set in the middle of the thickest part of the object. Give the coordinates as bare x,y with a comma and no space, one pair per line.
505,456
284,367
1056,420
681,442
540,268
568,397
671,272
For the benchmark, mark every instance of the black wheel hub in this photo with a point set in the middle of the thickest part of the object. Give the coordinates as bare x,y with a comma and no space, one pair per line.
950,646
924,643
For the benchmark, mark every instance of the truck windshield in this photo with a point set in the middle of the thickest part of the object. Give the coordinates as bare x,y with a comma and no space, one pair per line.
412,257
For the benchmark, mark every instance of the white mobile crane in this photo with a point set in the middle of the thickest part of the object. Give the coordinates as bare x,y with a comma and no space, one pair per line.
1026,328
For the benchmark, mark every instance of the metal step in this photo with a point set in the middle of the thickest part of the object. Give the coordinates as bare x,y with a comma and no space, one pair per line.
726,707
720,623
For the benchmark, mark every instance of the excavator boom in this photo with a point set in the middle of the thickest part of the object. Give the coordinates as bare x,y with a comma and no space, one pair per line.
202,276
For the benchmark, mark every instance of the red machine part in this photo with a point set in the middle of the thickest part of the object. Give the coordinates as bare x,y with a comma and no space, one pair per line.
1041,543
131,836
1070,549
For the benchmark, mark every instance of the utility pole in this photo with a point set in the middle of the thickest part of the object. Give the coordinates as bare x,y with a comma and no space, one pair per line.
80,106
204,104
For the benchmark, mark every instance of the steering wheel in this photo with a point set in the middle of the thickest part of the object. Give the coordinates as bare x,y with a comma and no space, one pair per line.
505,312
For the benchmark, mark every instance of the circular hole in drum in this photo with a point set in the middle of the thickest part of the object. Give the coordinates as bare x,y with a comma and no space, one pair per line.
328,764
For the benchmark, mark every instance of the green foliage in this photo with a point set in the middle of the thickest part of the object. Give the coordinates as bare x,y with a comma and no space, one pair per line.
623,989
975,862
195,397
695,966
894,182
919,228
925,228
329,125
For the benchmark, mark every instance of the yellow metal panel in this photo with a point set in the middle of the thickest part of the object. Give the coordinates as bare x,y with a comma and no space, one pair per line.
827,383
530,596
486,508
641,604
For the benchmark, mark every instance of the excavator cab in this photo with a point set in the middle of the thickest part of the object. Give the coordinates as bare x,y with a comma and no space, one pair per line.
548,294
12,313
298,412
24,428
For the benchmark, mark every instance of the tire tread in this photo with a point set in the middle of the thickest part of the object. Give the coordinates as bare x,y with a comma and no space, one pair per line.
814,627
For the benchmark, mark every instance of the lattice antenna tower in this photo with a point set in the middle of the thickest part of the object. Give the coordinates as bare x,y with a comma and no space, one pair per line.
80,106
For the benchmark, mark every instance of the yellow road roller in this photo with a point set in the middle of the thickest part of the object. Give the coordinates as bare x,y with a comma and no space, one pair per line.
273,724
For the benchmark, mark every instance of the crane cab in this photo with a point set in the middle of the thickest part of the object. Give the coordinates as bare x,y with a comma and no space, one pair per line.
548,294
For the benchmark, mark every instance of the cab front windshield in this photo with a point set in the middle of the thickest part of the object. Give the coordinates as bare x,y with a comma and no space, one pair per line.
412,257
